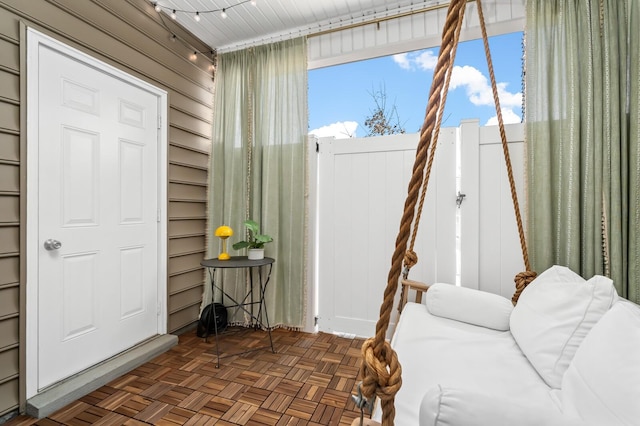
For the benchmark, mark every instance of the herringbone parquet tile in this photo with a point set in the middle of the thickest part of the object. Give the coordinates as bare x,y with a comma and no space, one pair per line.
308,381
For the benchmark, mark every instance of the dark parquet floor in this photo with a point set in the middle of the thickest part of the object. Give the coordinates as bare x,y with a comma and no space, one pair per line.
308,381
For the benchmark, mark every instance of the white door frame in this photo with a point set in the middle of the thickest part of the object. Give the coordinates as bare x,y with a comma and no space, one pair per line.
35,39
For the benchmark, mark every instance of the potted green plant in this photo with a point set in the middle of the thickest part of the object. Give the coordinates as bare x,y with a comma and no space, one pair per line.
256,241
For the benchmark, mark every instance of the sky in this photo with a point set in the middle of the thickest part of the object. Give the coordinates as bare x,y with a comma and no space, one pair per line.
340,97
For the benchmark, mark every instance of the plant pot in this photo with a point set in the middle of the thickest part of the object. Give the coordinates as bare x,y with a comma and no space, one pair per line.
256,254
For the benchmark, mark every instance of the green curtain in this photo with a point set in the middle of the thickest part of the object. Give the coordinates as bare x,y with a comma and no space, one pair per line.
258,169
583,152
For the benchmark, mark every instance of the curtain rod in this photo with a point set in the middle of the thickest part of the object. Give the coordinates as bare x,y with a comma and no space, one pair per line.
383,19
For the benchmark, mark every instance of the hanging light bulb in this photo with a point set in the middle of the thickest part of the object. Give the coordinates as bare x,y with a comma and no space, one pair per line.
173,38
157,7
194,56
254,2
223,14
173,15
197,17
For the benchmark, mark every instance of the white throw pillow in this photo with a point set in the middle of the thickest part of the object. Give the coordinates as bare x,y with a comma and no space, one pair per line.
468,305
602,384
553,316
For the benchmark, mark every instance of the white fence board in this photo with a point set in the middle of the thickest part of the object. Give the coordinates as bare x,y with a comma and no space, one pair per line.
362,190
362,186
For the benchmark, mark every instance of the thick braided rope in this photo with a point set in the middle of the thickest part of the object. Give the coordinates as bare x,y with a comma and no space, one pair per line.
434,142
381,350
522,280
507,157
503,137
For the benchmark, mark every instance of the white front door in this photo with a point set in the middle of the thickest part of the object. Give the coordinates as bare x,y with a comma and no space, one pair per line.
98,196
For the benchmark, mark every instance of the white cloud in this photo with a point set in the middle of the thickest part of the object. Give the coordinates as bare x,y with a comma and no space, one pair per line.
479,90
339,130
425,60
508,116
402,59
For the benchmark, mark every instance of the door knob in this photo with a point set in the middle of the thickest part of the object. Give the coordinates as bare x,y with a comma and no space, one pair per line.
52,244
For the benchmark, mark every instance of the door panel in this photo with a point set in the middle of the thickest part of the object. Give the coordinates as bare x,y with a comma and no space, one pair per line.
98,196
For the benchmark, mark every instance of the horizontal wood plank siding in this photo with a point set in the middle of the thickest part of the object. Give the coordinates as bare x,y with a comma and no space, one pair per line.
186,280
179,228
183,317
188,157
9,242
9,335
9,178
9,209
9,391
129,35
10,267
186,174
9,365
9,146
184,139
184,192
9,55
185,211
9,303
9,116
9,86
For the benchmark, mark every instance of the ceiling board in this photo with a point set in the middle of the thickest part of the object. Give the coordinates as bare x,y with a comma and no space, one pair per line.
276,19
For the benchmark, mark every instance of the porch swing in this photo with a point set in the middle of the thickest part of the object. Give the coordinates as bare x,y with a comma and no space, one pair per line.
381,369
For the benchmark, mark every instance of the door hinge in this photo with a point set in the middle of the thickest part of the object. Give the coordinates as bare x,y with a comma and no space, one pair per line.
315,320
158,215
159,122
317,147
158,310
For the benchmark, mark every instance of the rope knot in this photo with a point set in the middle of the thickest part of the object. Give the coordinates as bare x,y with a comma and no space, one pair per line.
410,258
381,372
522,280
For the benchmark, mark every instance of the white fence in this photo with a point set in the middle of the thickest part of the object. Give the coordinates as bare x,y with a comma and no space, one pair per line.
362,186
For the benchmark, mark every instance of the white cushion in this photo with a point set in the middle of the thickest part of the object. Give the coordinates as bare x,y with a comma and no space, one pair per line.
469,305
602,384
459,407
553,316
434,350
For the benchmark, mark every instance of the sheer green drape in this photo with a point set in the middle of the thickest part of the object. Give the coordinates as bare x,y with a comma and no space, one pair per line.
583,138
258,168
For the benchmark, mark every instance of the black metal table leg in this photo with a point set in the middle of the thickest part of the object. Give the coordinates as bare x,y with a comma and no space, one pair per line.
256,320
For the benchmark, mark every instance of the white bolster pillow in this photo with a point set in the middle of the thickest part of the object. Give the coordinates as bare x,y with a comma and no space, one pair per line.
468,305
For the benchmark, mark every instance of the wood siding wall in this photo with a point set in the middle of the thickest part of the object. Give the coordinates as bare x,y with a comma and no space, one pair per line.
129,35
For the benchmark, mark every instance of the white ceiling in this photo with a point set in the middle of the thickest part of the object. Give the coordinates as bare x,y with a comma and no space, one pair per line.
271,20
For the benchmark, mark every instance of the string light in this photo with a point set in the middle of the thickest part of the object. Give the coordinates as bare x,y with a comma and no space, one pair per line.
209,55
198,13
